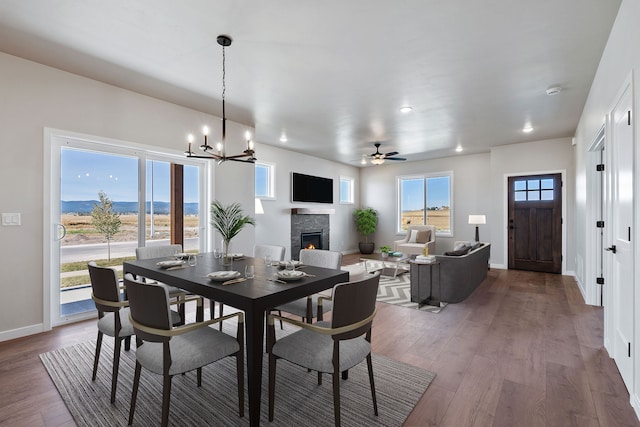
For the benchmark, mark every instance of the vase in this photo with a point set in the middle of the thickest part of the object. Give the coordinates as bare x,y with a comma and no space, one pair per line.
227,257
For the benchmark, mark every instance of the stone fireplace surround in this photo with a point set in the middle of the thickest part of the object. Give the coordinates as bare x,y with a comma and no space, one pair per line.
309,220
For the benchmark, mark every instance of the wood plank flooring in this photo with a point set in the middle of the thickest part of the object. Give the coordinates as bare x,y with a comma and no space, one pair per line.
522,350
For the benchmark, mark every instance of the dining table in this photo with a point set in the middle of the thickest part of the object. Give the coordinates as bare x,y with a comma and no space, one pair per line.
254,296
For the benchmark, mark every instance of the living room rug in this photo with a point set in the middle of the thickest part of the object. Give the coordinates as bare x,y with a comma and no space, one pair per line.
397,290
299,399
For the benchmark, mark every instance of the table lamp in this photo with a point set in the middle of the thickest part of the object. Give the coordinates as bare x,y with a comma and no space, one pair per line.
477,220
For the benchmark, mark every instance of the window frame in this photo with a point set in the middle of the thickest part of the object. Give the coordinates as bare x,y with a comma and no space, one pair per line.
351,195
271,173
425,177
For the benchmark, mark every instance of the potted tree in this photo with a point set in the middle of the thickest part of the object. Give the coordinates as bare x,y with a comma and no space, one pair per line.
228,221
366,221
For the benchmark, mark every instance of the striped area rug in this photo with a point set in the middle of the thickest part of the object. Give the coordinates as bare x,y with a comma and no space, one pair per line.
299,400
397,290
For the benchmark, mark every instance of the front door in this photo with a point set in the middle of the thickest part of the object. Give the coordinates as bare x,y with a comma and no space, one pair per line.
621,248
535,223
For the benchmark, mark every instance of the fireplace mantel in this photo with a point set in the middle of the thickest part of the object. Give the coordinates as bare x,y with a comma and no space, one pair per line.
312,211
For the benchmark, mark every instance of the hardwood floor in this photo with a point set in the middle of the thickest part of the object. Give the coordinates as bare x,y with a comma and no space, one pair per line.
522,350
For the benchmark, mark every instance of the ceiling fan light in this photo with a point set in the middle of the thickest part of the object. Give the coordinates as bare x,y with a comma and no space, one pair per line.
406,109
377,161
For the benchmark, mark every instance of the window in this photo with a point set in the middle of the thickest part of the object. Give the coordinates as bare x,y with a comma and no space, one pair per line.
346,190
533,189
426,199
265,188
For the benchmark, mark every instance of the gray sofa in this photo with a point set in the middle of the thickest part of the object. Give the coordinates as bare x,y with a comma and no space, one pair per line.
452,279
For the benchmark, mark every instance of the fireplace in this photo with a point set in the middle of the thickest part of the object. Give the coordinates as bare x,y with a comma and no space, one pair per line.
311,240
309,226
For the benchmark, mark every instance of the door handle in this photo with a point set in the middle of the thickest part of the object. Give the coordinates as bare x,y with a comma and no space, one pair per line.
62,232
611,249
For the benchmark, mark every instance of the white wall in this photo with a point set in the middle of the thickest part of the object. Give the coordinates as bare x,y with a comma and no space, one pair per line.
274,227
478,188
523,159
35,97
619,58
471,195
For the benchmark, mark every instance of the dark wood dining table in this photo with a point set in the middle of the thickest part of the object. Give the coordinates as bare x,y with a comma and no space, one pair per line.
254,296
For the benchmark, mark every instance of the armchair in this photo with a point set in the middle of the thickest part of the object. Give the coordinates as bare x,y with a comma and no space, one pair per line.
418,236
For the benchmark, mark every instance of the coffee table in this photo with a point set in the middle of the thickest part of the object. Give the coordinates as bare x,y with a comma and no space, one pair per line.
393,270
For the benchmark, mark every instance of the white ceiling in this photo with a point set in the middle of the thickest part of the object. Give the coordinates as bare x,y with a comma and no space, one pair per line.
333,74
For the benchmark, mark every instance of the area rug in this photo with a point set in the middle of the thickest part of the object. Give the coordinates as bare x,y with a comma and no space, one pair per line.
397,290
299,400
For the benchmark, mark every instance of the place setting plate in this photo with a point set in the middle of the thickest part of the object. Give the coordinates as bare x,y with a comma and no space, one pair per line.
224,275
283,264
170,263
290,275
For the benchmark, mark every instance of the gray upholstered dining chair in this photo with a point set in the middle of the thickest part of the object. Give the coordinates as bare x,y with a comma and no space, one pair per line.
275,252
304,307
169,351
113,317
333,347
160,251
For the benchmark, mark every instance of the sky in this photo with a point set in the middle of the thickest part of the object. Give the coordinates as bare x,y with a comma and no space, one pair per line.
438,193
85,173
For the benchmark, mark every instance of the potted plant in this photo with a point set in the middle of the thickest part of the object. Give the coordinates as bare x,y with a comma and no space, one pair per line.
366,221
228,221
384,251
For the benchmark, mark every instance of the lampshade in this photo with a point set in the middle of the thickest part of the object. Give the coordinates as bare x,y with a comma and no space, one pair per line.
259,209
477,219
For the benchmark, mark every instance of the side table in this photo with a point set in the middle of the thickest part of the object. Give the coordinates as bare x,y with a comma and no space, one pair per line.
424,276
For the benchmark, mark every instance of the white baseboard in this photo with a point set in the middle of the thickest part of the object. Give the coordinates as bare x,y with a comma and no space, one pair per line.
498,266
21,332
635,404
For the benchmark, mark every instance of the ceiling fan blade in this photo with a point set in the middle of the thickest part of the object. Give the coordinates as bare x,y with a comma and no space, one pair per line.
395,158
391,153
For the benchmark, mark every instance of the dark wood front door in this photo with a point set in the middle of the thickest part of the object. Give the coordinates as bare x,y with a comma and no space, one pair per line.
535,223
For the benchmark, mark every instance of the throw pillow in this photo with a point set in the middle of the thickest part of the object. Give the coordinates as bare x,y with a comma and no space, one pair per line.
423,236
459,252
461,245
413,236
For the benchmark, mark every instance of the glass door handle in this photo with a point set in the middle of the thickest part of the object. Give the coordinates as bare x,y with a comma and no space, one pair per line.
61,231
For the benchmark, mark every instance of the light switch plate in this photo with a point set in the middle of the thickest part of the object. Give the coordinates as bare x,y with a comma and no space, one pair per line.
9,219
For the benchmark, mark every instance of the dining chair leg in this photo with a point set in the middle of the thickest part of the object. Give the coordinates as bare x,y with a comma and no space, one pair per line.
336,396
319,378
116,363
166,399
127,343
220,310
199,376
345,375
134,391
373,387
97,356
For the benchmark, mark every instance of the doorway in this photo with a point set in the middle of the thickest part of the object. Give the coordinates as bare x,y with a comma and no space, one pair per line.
535,222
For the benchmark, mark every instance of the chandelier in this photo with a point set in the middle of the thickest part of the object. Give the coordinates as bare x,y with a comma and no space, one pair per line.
219,153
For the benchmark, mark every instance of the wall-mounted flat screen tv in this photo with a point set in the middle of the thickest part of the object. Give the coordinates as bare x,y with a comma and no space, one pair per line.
314,189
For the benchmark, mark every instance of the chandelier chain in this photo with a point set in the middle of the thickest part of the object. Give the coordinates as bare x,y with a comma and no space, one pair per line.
224,73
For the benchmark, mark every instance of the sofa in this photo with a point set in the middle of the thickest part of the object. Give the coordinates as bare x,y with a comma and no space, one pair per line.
453,277
418,237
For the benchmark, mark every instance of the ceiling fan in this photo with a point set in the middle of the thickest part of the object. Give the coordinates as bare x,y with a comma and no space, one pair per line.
378,158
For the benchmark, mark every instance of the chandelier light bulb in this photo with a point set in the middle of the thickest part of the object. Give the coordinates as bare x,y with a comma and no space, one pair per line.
251,145
205,130
190,138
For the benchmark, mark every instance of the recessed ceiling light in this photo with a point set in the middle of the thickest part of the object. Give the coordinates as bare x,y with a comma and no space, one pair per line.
283,138
458,149
553,90
527,129
406,109
363,161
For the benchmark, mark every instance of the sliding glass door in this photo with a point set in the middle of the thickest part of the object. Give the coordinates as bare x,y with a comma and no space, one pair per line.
105,201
